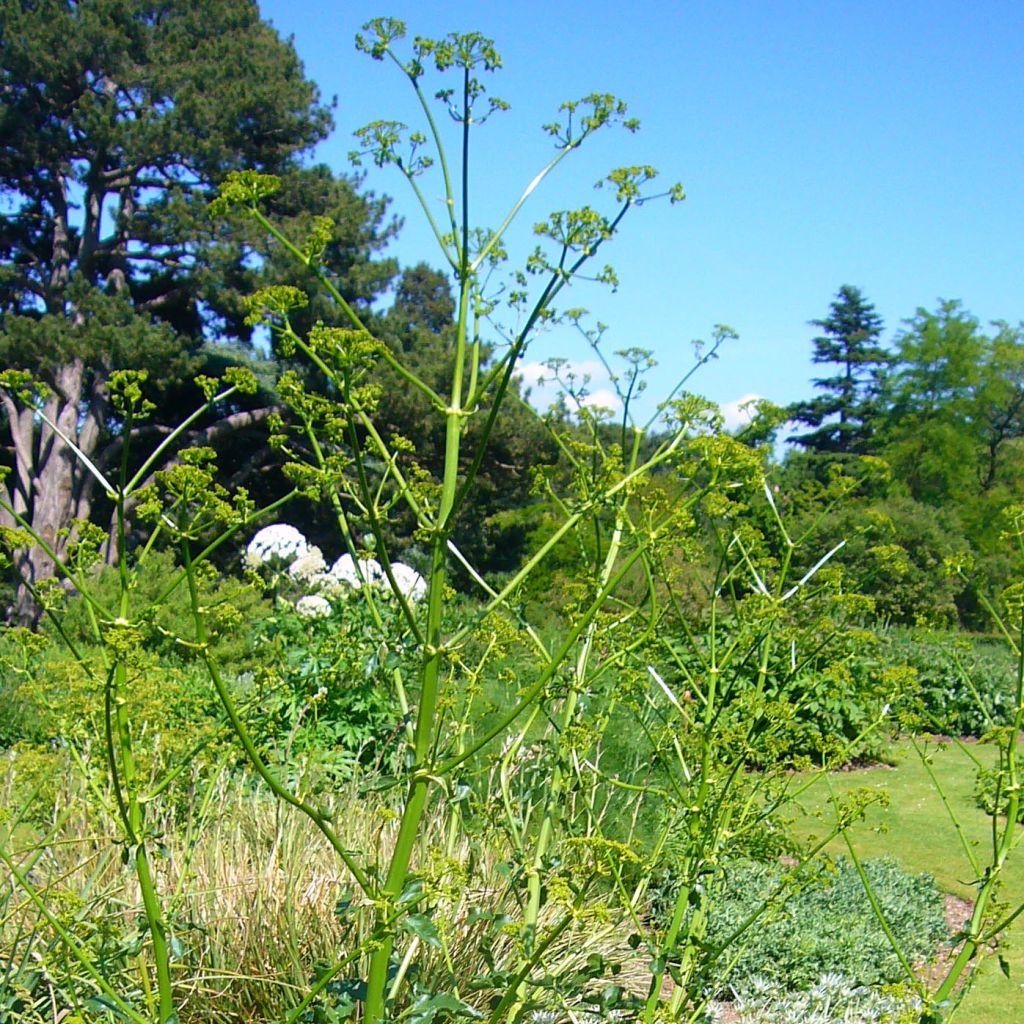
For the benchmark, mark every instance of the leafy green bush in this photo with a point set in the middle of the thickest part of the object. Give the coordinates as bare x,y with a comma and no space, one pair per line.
58,712
964,686
895,553
324,684
234,604
828,926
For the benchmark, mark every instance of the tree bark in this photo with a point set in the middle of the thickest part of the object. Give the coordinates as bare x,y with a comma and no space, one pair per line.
48,473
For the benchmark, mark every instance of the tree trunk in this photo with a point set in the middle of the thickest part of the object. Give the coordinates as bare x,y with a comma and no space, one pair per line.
48,479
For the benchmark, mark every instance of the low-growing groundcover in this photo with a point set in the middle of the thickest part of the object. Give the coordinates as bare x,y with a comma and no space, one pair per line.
913,827
827,927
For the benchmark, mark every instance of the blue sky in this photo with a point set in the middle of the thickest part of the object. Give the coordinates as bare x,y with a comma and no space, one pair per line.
820,144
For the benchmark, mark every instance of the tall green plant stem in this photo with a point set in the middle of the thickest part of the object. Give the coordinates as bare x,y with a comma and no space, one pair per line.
126,784
433,650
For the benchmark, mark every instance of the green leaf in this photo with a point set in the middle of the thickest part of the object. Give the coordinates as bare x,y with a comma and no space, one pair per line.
102,1004
423,928
343,904
411,893
426,1007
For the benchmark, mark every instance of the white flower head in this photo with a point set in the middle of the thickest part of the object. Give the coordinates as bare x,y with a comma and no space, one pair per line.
345,571
313,606
277,541
410,583
307,566
327,584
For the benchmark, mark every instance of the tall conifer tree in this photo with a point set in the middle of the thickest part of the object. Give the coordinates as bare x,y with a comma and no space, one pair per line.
847,402
118,119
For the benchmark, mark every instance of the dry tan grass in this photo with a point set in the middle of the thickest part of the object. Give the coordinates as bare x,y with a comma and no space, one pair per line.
251,891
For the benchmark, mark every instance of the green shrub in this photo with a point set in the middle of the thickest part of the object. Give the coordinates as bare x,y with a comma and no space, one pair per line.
828,926
59,702
324,685
964,686
895,552
233,603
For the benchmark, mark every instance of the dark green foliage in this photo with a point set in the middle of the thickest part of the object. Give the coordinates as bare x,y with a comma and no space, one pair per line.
235,605
843,415
931,426
119,120
896,553
828,926
323,687
962,686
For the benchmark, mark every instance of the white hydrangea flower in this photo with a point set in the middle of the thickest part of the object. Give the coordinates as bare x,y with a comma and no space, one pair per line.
344,570
277,541
410,583
329,585
308,566
313,606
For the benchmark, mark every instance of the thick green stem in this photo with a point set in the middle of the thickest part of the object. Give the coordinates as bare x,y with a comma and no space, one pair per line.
423,736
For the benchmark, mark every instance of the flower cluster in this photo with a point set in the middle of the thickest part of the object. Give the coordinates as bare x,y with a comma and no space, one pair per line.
279,541
313,606
281,544
307,567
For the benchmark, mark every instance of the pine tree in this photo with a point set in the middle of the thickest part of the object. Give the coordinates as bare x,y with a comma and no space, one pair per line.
119,118
844,410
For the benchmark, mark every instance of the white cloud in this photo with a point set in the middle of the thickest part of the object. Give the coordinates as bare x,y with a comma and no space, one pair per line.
531,373
603,398
735,415
544,390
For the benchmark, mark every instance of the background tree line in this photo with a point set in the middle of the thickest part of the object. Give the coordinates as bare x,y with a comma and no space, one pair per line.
934,423
119,120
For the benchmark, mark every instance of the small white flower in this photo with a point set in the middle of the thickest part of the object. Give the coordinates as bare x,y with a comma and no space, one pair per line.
277,541
410,583
308,566
329,585
313,606
345,571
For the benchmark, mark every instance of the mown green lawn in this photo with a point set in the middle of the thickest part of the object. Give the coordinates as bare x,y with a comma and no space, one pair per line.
917,830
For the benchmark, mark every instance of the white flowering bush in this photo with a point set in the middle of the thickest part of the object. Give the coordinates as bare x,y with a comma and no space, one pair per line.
307,569
313,606
347,572
410,583
279,541
328,653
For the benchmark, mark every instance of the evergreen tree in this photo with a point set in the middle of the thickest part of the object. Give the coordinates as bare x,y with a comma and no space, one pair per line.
119,117
843,412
